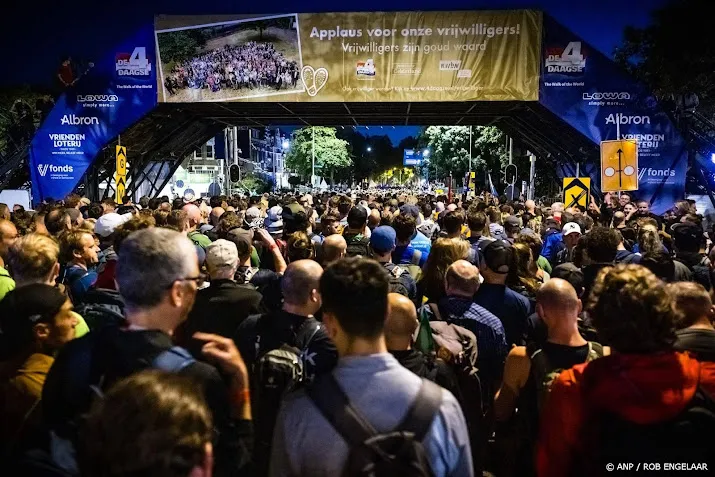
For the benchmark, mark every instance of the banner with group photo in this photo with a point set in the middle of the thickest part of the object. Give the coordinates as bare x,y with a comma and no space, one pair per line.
595,96
346,57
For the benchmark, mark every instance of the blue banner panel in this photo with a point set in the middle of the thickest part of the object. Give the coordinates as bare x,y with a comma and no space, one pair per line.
411,157
591,93
108,98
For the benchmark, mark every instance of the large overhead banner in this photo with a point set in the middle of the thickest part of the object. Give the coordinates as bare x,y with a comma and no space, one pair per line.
591,93
344,57
114,93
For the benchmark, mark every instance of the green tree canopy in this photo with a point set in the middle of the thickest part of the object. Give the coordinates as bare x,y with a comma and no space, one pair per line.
449,150
331,153
179,45
675,54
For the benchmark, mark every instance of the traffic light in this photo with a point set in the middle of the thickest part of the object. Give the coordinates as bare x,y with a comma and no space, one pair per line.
234,173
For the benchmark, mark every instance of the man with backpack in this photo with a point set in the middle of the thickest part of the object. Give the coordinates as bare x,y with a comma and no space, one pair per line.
158,276
382,244
643,403
368,396
355,235
530,370
285,349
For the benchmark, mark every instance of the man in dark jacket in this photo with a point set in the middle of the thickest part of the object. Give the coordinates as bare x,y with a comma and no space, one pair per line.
221,307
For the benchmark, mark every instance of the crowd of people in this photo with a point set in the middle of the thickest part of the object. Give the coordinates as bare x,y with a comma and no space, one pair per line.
349,334
246,66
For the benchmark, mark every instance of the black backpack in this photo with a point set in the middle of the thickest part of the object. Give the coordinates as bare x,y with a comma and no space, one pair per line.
396,285
686,438
399,452
358,245
275,372
101,307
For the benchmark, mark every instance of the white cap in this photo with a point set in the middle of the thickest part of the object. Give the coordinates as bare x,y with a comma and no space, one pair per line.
221,254
571,227
107,223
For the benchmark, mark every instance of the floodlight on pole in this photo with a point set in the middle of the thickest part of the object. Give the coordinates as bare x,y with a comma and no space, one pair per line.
286,144
425,153
369,149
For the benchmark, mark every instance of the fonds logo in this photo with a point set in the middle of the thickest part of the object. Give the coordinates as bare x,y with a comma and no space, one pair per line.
647,172
74,120
43,169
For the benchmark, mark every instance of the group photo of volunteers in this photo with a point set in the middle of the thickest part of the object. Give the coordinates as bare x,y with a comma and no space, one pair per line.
359,333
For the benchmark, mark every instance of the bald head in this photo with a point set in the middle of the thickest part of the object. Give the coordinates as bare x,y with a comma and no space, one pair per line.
401,322
334,248
193,212
461,279
300,280
557,296
216,214
530,205
8,235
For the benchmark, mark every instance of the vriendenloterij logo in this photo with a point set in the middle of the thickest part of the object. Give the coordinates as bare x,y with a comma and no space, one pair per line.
43,169
74,120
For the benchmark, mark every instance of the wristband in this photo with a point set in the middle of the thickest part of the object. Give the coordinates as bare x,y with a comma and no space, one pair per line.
241,397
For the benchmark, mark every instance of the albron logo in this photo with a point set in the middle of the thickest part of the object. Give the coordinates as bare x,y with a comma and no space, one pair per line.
659,173
623,119
43,169
74,120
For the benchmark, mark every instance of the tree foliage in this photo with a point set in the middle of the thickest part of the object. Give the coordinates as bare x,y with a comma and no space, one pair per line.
331,153
177,46
449,150
675,54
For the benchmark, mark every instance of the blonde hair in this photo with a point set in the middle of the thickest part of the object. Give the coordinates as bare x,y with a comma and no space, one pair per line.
32,257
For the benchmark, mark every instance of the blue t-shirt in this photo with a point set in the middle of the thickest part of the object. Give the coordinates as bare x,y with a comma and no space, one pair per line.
421,243
79,281
509,306
403,255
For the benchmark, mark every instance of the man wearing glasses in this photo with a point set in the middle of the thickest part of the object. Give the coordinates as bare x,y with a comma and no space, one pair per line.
158,277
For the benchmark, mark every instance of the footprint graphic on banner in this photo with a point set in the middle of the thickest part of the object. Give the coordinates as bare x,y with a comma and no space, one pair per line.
314,80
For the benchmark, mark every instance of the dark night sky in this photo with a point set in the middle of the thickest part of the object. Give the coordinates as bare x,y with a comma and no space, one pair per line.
35,34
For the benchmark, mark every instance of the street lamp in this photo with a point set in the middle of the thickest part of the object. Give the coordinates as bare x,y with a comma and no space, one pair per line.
286,144
425,153
369,149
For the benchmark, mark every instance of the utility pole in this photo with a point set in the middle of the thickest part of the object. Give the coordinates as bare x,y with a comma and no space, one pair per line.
312,147
470,151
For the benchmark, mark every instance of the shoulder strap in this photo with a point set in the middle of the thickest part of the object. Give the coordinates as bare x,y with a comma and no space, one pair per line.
420,416
540,364
173,360
306,330
595,350
435,310
335,406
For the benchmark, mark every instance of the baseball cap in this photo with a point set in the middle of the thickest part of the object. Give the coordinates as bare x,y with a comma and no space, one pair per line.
498,256
107,223
439,207
512,222
412,210
571,273
383,239
242,239
274,220
252,217
189,196
28,305
289,211
357,215
221,254
687,235
570,228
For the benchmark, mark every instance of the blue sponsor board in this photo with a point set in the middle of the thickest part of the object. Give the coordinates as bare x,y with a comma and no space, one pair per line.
592,94
412,157
110,97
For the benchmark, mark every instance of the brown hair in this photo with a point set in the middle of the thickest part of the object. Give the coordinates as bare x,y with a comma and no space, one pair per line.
632,310
692,302
165,426
444,252
71,241
135,223
523,274
299,247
